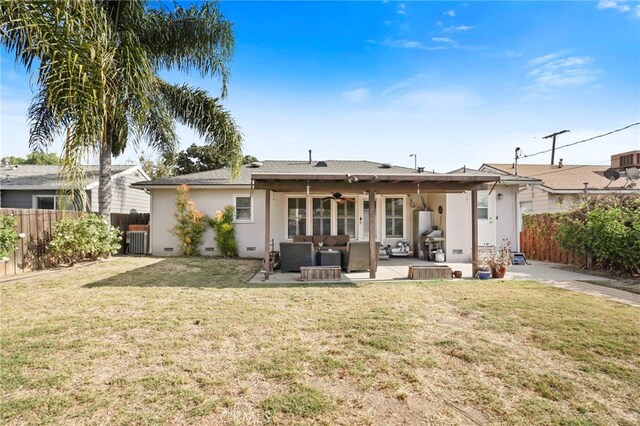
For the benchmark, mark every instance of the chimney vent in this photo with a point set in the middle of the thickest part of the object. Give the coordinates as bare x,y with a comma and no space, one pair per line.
309,156
560,163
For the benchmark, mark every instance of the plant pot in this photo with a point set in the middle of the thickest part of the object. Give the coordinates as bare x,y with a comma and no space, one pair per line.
483,274
498,272
457,274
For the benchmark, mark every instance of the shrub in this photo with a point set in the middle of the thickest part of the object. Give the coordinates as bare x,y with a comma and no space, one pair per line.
225,236
191,222
85,238
605,229
8,236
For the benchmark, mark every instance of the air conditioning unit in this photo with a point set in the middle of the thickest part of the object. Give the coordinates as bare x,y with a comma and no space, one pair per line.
137,242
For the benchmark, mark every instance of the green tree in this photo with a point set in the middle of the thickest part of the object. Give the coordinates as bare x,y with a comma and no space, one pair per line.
97,77
199,158
37,157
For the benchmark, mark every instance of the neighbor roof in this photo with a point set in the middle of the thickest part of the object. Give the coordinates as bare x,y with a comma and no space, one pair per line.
223,176
568,178
26,177
505,178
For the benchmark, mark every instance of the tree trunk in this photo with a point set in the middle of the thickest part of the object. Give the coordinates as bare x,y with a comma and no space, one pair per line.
104,183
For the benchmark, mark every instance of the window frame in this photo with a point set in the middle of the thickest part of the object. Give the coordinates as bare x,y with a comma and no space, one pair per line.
235,208
394,216
286,214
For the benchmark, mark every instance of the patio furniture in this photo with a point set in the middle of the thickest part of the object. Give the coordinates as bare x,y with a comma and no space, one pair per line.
295,255
429,272
329,258
320,273
336,242
356,257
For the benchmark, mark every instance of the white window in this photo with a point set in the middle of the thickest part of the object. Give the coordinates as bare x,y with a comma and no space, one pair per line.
322,216
394,217
483,205
296,217
243,208
346,217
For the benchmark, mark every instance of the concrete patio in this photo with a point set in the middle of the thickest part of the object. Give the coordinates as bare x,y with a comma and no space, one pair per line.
396,269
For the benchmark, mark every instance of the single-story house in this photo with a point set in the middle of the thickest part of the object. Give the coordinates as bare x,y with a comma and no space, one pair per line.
278,200
564,184
38,187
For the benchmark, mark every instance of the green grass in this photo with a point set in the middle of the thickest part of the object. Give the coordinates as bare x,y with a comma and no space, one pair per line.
164,341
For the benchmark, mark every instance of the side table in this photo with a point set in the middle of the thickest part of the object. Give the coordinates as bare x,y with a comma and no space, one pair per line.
328,258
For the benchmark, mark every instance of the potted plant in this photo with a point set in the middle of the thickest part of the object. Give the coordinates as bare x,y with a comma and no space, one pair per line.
497,260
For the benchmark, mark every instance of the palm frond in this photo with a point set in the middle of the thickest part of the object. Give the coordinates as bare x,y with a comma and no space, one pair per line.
196,109
198,37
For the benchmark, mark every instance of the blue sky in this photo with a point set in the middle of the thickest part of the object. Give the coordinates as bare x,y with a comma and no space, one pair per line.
457,83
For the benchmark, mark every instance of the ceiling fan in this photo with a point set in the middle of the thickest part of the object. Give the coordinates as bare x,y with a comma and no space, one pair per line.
339,198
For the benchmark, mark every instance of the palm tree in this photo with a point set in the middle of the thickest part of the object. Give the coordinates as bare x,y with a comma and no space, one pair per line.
118,60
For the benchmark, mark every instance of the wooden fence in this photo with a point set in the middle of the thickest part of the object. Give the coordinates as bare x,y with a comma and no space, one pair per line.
32,251
537,241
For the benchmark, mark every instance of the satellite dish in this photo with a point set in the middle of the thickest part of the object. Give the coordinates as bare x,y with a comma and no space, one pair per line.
612,174
633,173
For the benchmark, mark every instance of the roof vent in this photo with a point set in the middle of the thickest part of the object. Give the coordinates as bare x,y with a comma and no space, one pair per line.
385,166
321,164
256,164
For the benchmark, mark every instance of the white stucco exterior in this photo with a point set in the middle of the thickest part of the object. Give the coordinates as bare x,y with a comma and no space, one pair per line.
455,220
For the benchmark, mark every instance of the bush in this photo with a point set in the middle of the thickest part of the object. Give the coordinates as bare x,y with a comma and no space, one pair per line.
191,222
8,236
605,229
86,238
225,236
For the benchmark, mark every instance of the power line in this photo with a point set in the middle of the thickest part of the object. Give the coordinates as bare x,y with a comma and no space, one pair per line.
582,141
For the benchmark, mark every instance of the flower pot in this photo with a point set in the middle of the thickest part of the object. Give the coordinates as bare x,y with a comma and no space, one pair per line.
498,271
457,274
483,275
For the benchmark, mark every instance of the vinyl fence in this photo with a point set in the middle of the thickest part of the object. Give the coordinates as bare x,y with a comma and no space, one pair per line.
32,251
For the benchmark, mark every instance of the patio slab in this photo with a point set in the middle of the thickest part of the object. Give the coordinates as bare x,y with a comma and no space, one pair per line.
396,269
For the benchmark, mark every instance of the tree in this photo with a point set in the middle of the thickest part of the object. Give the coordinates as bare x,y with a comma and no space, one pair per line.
38,158
202,158
156,169
98,65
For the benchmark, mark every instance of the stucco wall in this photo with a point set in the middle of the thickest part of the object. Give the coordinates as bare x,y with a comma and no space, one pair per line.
506,215
458,227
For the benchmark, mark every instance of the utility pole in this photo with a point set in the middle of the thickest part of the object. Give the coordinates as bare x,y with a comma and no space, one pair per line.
553,147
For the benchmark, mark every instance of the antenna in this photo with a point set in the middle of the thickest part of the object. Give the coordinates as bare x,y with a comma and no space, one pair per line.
612,174
553,146
633,173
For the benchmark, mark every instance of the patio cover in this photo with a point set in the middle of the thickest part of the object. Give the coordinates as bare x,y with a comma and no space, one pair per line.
374,183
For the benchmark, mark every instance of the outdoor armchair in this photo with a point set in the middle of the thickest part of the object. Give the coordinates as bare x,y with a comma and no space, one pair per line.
295,255
356,257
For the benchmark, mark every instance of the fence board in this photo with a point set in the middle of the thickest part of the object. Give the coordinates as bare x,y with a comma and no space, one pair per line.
538,243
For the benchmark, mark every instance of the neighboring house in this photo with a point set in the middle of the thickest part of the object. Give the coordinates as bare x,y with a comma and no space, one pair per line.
37,187
301,202
563,185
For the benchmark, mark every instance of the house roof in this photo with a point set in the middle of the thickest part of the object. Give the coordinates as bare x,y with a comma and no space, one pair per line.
27,177
328,176
223,176
505,178
568,178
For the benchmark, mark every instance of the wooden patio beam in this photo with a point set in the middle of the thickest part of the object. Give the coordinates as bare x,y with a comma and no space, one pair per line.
267,234
373,255
380,187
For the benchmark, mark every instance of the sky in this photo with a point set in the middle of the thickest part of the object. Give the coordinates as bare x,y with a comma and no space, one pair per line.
455,83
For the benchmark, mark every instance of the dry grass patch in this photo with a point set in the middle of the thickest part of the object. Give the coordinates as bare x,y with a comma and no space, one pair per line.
184,341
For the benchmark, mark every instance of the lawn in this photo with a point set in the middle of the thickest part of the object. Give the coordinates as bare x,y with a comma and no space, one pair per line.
188,341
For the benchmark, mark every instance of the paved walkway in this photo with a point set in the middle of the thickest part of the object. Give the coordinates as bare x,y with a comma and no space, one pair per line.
543,272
